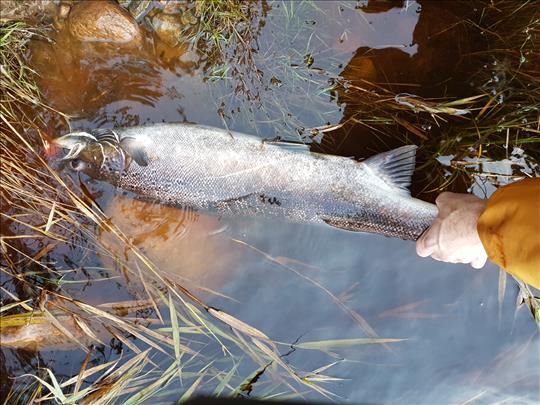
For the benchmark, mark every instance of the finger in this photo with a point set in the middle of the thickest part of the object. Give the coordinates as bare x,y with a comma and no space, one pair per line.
447,202
427,243
422,247
445,257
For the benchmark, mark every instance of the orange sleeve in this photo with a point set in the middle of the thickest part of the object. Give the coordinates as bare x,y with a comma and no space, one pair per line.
509,229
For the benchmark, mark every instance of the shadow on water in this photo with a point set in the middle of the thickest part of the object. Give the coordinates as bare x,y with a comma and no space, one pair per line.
325,73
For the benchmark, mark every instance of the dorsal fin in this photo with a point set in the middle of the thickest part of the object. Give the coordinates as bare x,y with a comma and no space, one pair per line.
394,167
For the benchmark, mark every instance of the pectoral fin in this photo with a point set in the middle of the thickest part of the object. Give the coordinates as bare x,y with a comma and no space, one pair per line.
135,151
349,225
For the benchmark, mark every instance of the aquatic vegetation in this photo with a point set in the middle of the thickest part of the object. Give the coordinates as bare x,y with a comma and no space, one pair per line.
227,35
507,117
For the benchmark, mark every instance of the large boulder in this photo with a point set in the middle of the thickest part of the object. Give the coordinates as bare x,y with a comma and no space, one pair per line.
103,21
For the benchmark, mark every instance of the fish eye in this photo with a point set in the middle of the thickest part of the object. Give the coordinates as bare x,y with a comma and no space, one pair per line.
76,164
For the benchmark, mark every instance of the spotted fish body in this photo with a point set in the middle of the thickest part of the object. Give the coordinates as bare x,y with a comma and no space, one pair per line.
233,173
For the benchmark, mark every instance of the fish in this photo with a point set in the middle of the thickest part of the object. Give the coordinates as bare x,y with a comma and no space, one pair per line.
231,173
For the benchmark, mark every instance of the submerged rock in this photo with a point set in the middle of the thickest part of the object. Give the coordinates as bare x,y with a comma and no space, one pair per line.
103,21
168,28
183,244
140,8
171,7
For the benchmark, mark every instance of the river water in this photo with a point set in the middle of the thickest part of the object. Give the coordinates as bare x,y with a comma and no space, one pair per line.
463,341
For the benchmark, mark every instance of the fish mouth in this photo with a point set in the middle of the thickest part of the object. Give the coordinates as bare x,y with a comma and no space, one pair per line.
73,143
52,149
58,148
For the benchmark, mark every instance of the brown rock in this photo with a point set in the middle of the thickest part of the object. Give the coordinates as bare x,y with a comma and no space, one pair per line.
168,27
103,21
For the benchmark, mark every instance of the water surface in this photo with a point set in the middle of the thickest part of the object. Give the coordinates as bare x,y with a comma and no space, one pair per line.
463,343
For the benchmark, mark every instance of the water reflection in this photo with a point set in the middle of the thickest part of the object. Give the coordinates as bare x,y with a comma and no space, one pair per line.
450,315
106,82
189,247
372,77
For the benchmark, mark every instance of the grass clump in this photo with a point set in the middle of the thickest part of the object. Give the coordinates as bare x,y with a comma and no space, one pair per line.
223,21
226,34
507,117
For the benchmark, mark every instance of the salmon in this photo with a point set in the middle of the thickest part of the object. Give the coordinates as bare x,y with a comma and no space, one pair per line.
231,173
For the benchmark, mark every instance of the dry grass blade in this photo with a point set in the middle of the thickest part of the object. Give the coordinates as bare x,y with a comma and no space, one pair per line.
125,306
158,384
270,352
111,386
23,319
526,297
176,337
7,307
50,218
139,331
125,341
63,329
237,324
89,372
339,343
225,381
501,290
189,392
77,387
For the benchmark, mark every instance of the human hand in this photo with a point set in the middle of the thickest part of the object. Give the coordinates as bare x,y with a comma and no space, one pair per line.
453,236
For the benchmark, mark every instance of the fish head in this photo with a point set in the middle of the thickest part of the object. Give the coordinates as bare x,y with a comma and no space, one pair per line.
100,157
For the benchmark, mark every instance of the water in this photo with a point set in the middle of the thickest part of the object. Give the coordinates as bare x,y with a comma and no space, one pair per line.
463,343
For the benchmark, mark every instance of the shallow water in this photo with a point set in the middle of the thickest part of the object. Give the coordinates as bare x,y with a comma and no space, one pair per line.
463,343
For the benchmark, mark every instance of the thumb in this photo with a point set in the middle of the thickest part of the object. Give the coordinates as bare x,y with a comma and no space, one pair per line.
479,262
427,243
